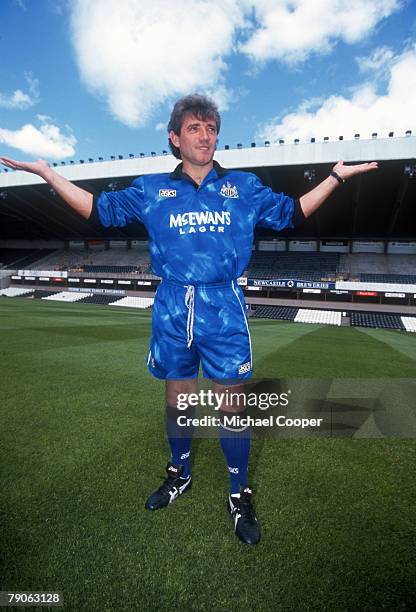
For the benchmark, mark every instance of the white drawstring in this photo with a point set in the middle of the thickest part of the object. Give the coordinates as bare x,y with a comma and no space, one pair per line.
189,302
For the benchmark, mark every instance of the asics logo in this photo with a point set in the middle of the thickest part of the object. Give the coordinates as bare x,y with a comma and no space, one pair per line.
233,470
167,193
185,455
244,367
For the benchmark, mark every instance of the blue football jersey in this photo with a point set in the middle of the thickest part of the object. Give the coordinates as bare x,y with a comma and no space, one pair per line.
198,234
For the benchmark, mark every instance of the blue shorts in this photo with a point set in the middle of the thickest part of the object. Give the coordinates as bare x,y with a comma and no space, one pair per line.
200,324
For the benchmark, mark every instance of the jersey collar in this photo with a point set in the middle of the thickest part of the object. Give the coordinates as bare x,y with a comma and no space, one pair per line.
178,173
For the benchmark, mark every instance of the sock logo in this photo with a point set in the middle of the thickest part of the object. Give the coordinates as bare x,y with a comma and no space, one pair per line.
233,470
244,367
185,455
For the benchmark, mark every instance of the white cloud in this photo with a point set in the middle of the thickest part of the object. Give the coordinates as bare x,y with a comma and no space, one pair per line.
20,100
20,4
138,54
59,6
161,127
44,118
365,111
43,141
290,30
378,61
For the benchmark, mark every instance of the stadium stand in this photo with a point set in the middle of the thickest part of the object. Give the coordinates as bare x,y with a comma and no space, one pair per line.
405,279
15,292
67,296
22,258
409,323
40,293
307,266
111,269
354,264
133,302
284,313
326,317
377,320
128,261
98,298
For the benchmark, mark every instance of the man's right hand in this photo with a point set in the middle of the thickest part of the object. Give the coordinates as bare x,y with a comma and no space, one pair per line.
77,198
39,167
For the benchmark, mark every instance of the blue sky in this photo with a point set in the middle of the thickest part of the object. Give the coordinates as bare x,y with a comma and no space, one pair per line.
89,78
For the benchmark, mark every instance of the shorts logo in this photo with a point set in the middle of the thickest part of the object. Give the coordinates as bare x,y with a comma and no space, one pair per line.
153,363
244,367
229,191
167,193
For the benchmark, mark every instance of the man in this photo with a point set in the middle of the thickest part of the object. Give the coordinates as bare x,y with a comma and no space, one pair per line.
200,220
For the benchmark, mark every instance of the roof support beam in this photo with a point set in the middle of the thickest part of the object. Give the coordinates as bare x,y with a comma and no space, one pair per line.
401,194
356,203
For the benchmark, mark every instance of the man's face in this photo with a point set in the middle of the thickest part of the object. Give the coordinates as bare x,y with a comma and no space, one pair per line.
197,141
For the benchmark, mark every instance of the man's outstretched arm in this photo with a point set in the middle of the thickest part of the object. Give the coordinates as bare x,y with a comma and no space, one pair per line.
79,199
314,198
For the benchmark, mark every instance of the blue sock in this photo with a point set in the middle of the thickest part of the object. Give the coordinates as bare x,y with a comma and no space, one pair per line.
179,437
236,448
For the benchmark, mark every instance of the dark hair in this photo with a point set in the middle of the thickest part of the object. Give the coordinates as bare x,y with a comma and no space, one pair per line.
195,104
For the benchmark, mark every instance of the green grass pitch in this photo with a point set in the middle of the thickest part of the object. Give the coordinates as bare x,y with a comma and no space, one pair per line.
82,445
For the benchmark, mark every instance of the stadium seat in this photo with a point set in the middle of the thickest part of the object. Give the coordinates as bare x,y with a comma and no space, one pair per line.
409,323
322,317
98,298
66,296
284,313
377,320
133,302
15,291
305,266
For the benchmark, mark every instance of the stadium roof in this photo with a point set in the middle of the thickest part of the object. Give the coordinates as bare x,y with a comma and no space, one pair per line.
374,205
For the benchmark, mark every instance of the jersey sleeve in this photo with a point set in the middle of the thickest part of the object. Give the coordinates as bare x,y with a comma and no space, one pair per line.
274,210
119,208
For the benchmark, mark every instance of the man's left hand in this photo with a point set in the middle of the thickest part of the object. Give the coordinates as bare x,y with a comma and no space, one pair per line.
346,172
